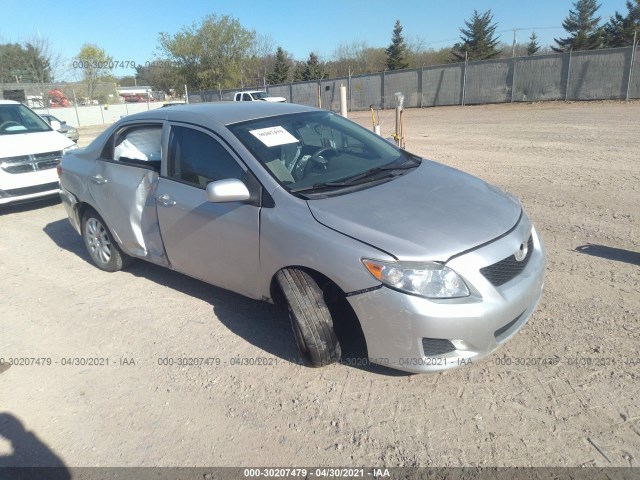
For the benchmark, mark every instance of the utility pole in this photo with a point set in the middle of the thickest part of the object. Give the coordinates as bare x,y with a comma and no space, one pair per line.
515,41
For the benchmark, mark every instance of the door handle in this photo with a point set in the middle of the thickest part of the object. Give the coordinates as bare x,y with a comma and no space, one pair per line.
166,200
98,179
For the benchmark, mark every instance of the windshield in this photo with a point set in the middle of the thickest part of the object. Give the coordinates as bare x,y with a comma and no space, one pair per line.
259,95
319,151
16,118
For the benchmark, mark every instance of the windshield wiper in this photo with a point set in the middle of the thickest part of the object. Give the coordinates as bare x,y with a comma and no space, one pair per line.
358,179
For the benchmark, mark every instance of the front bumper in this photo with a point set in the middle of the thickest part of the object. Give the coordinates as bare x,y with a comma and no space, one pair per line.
411,333
23,187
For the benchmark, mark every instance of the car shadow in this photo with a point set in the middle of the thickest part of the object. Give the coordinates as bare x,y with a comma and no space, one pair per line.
260,323
610,253
29,205
30,458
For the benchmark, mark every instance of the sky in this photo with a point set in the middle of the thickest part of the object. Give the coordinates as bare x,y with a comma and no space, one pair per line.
128,29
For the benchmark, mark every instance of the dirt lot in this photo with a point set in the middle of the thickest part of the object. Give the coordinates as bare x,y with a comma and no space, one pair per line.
576,168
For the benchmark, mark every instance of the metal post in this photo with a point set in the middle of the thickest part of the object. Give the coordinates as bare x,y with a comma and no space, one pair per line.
101,112
513,77
75,106
349,88
382,90
291,92
633,58
421,86
464,78
566,89
186,94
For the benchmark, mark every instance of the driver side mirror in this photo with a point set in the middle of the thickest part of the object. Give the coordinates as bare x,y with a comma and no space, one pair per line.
230,190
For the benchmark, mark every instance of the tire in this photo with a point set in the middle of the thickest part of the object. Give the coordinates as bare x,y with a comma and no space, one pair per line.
102,248
310,318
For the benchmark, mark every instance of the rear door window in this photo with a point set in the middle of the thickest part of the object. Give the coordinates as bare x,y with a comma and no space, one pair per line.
139,145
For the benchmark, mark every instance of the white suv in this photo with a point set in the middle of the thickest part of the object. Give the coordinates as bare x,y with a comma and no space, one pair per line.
30,150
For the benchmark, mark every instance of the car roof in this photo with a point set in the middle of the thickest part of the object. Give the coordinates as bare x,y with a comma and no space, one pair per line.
226,113
9,102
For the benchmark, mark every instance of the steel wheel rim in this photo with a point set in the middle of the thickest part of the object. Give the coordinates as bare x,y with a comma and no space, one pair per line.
98,241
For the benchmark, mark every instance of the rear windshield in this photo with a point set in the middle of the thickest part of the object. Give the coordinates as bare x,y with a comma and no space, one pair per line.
16,118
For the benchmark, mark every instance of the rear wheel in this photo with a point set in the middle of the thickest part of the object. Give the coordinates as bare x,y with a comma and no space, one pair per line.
310,318
103,250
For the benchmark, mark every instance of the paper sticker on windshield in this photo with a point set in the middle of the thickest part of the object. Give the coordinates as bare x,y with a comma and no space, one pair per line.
273,136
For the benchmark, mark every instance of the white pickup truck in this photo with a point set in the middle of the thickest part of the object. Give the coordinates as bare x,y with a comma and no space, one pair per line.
256,95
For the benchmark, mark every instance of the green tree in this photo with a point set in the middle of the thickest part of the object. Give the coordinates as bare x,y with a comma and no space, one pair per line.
299,71
478,39
313,69
583,27
397,51
12,64
211,53
28,63
619,31
533,46
280,72
93,64
161,74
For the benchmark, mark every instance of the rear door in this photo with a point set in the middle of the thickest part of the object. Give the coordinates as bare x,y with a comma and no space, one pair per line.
216,242
124,188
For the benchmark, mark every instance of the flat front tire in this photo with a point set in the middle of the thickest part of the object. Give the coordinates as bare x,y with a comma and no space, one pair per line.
310,318
103,250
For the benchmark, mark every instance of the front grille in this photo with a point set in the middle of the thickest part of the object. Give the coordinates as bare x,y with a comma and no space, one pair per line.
31,163
436,346
34,189
501,272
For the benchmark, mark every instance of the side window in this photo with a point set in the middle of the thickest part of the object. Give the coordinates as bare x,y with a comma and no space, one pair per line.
246,97
197,158
140,145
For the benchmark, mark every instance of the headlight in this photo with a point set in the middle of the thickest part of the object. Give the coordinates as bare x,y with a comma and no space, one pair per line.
430,280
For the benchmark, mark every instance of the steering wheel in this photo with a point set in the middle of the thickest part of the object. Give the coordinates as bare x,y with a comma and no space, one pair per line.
300,166
9,123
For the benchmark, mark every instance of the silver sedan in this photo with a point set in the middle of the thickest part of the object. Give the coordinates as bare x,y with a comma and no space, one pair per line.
299,206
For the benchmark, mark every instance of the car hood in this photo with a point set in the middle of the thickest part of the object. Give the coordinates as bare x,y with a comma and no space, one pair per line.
32,143
274,99
430,213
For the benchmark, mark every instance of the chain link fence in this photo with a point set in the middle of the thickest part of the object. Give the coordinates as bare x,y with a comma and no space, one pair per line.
70,103
590,75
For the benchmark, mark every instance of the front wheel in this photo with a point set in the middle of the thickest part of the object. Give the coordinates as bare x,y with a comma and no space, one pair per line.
103,250
310,318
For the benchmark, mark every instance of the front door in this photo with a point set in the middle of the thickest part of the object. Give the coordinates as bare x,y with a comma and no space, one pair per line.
215,242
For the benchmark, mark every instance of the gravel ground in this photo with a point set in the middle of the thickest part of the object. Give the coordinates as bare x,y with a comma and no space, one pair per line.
576,168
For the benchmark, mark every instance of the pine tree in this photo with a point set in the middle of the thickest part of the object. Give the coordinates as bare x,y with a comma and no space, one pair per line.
298,71
397,51
619,30
313,70
533,46
583,26
478,39
280,73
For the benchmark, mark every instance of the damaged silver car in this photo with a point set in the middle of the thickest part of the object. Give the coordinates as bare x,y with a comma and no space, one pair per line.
292,203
